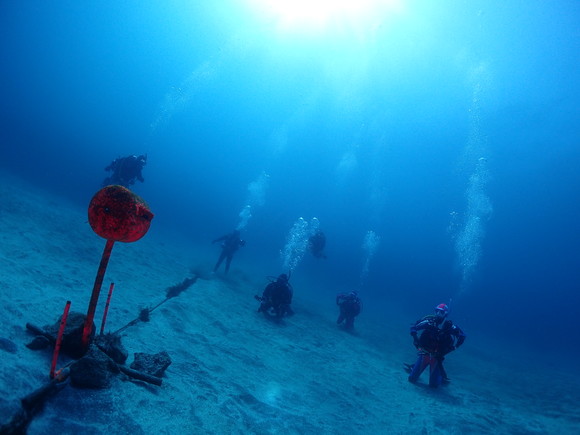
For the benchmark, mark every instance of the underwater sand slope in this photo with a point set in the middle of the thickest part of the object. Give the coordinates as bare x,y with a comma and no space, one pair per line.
234,371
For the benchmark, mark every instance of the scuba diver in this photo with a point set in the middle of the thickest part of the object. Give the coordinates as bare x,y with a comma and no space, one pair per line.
231,243
350,306
316,244
433,344
277,298
125,170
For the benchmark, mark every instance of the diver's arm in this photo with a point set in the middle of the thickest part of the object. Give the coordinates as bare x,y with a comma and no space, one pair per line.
460,335
219,239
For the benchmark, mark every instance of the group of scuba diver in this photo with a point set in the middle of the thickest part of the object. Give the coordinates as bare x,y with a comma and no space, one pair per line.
434,336
276,298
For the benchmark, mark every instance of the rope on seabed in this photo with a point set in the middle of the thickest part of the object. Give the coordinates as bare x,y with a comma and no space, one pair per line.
171,292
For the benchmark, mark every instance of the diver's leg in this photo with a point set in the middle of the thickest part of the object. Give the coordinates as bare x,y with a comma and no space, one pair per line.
279,310
228,262
349,323
434,372
222,256
444,377
418,368
266,307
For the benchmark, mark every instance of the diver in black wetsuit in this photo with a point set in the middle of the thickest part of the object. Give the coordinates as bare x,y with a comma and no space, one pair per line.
277,298
349,305
231,243
316,244
433,344
125,170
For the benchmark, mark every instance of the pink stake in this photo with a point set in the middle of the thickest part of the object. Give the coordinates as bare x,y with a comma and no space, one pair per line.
107,308
59,339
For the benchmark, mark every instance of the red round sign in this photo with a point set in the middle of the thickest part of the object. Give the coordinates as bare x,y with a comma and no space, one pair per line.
116,213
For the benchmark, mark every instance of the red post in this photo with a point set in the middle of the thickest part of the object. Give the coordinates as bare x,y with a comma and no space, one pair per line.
116,214
107,307
88,328
59,339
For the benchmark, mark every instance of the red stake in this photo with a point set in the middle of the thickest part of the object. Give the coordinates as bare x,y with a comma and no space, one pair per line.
107,308
88,328
59,339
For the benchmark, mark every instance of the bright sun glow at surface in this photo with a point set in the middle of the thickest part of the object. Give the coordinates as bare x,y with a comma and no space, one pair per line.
324,16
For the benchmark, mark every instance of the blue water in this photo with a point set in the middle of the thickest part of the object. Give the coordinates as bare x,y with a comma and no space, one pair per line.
447,130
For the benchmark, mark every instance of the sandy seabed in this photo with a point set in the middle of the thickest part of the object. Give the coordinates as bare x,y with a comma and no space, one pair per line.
234,371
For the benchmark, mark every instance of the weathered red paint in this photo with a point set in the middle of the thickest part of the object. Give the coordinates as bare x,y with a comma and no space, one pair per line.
116,213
